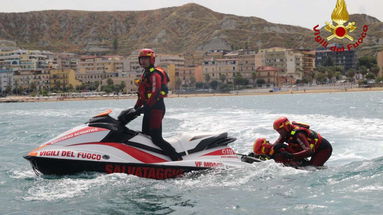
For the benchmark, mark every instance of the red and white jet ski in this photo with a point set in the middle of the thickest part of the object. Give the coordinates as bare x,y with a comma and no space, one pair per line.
104,144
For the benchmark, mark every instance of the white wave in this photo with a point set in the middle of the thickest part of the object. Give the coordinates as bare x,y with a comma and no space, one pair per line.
309,206
46,112
64,188
22,174
71,113
334,181
369,188
238,177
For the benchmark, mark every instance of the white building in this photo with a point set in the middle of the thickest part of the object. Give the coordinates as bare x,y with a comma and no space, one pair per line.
20,59
289,61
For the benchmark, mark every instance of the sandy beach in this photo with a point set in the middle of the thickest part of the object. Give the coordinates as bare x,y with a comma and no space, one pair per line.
11,99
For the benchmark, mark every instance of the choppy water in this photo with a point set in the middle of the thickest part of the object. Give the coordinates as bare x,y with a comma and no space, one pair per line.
352,184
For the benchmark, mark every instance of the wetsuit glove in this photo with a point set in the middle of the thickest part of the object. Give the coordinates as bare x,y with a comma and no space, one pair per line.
127,116
139,111
279,146
287,155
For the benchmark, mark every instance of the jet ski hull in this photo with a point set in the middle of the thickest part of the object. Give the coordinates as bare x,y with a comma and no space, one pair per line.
53,166
104,144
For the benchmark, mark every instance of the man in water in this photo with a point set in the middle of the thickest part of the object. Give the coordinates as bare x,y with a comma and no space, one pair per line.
152,89
303,141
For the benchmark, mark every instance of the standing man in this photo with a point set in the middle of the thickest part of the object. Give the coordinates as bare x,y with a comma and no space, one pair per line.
152,89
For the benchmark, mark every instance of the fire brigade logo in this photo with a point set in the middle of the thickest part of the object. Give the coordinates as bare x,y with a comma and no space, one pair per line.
340,16
340,28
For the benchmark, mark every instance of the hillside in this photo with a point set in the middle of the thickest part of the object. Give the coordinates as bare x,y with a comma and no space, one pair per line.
187,28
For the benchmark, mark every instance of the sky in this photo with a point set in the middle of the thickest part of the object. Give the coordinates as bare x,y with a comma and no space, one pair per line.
305,13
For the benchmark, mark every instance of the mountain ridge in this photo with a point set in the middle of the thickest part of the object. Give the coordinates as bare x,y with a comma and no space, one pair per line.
183,29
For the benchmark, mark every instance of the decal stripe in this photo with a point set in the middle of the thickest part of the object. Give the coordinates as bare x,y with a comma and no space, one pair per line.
135,153
225,151
86,130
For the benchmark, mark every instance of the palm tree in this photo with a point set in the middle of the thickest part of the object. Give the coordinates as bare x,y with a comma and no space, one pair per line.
207,78
178,83
222,77
192,82
253,77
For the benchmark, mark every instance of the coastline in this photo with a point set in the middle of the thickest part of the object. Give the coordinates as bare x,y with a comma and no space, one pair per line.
16,99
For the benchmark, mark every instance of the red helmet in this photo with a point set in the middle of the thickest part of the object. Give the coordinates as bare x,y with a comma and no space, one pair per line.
282,122
147,53
262,147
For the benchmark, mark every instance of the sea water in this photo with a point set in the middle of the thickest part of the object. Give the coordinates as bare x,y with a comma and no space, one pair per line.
352,183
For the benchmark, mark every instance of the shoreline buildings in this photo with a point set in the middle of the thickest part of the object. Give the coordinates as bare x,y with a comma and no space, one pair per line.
43,70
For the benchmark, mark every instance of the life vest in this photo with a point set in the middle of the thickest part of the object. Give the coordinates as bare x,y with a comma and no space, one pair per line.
314,139
301,125
164,80
145,85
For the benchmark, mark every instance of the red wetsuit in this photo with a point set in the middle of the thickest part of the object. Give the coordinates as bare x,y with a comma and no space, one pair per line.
149,96
304,143
151,92
279,158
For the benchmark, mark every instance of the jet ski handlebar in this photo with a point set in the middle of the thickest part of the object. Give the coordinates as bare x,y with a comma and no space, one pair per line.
129,115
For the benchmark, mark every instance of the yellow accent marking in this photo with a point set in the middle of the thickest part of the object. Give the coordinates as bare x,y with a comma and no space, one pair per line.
271,151
340,16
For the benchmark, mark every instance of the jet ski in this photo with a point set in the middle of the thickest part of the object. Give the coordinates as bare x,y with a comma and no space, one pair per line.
104,144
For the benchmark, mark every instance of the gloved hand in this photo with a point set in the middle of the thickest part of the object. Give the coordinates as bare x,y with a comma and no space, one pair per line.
127,115
279,146
139,111
287,155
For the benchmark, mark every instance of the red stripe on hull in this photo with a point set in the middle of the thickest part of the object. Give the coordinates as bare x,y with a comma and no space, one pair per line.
225,151
135,153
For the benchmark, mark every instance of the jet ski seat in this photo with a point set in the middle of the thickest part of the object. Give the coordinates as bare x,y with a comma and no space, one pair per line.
105,122
122,134
212,142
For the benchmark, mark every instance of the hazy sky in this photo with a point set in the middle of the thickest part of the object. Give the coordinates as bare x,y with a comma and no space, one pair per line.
306,13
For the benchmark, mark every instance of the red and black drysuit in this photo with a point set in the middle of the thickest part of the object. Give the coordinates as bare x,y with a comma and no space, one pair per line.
151,92
278,155
304,143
